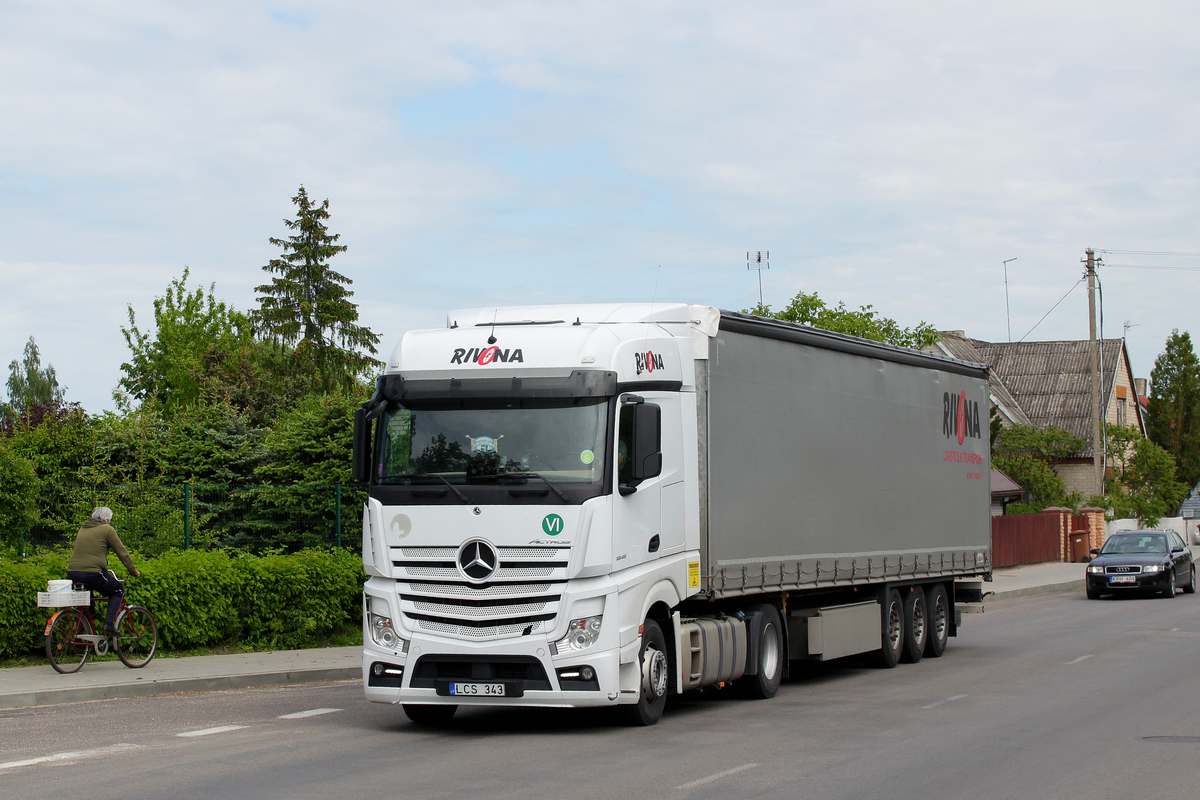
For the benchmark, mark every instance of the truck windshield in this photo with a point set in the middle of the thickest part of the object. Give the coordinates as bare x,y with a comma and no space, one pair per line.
539,442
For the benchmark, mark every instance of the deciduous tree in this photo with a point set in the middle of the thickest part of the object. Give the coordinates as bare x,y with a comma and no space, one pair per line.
1025,454
30,383
1144,484
809,309
197,346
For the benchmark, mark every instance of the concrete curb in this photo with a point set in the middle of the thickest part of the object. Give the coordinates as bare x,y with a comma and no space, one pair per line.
81,694
1066,587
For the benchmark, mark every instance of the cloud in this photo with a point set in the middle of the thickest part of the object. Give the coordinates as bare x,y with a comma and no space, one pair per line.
478,152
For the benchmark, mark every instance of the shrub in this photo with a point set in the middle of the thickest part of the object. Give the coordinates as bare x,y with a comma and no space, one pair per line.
204,598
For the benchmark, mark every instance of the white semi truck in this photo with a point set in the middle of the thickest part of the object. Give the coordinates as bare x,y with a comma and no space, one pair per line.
605,505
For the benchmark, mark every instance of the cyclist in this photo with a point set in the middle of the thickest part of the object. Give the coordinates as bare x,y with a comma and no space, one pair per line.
89,562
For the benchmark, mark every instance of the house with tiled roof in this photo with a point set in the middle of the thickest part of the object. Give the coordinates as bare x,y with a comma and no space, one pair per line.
1049,383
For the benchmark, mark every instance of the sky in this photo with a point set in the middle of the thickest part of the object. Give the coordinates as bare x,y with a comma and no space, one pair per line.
484,153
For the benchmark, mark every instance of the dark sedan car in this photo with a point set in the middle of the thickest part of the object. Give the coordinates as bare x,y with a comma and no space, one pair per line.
1146,561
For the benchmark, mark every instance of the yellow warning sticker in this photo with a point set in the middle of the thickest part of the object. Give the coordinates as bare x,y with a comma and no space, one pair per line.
693,574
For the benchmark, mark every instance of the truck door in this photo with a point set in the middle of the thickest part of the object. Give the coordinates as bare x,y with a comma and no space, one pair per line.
648,508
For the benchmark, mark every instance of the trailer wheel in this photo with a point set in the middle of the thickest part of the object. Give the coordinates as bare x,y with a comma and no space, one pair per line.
656,672
916,625
937,613
769,667
429,715
891,638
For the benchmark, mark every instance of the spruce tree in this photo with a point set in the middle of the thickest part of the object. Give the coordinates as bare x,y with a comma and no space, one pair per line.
307,307
1173,414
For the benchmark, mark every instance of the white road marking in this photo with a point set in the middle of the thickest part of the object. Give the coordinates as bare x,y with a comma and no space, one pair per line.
717,776
1076,661
72,756
947,700
316,712
1174,629
210,731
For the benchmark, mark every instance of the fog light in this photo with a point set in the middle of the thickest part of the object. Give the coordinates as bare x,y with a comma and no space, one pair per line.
588,674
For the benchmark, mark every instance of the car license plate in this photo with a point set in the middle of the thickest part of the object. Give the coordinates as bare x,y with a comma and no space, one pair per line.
478,689
1122,579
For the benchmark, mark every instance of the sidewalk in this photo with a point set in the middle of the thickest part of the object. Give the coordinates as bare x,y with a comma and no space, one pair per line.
33,686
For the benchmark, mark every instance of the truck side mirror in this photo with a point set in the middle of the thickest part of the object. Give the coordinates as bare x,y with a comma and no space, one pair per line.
361,453
641,438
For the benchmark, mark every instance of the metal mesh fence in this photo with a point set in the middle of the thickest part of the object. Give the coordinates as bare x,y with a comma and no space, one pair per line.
153,518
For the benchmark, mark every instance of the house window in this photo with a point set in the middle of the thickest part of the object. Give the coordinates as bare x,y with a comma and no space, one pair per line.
1120,410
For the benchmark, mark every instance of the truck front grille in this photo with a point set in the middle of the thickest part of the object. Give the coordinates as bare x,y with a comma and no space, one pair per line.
521,598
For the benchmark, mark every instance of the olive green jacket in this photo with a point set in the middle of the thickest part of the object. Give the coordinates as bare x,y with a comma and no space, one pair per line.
92,544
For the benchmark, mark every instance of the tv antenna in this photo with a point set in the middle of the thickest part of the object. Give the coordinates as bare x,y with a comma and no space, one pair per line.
1007,313
759,260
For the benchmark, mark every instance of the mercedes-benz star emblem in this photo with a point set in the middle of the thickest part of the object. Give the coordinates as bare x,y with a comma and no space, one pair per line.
477,560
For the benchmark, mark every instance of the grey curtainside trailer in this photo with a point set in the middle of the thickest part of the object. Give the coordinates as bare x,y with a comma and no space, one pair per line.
831,461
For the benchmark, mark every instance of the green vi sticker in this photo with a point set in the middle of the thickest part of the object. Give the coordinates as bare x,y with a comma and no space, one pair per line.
552,524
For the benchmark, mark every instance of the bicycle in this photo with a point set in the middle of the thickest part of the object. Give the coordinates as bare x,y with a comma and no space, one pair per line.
71,636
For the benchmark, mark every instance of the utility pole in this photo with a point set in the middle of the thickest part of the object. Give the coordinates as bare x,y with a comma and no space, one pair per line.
1094,349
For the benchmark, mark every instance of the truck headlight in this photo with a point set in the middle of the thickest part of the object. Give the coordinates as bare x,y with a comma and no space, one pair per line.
1152,568
384,635
581,634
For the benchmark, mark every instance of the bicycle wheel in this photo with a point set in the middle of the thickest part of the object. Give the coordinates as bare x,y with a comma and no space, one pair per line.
137,637
66,651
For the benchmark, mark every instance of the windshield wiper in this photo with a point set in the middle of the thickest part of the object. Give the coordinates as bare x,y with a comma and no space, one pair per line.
565,497
449,485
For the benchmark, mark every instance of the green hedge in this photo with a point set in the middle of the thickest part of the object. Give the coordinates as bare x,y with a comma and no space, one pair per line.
206,598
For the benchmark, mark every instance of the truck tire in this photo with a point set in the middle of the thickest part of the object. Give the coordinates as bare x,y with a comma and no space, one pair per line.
768,633
656,672
937,615
428,714
891,639
916,625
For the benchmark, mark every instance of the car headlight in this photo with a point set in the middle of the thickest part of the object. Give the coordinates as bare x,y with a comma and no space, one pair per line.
1096,569
1151,568
581,634
384,635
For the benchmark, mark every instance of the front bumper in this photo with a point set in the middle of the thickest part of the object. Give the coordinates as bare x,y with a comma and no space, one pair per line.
1152,582
525,668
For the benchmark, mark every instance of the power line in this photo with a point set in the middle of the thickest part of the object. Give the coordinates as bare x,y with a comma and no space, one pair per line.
1051,311
1150,253
1153,266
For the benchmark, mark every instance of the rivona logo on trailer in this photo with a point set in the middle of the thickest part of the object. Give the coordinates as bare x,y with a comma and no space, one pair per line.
486,355
648,361
960,417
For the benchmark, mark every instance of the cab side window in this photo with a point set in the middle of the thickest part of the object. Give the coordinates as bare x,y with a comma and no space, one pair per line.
625,444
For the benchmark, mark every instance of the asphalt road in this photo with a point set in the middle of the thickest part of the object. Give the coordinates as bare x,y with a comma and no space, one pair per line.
1040,698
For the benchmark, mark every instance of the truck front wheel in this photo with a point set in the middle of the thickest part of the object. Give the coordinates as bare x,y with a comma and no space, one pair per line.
656,673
